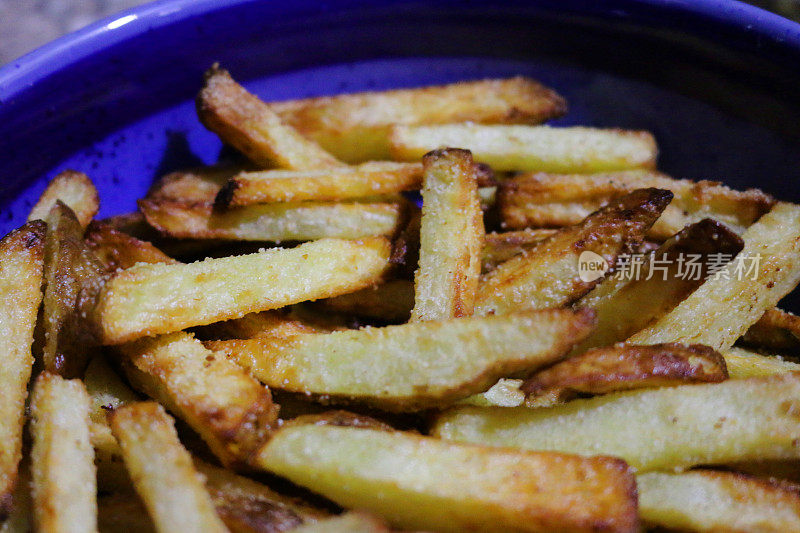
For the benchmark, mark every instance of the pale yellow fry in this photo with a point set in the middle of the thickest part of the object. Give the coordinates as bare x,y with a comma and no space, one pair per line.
62,459
705,500
148,299
743,363
725,306
451,238
75,190
21,258
652,429
531,148
106,389
162,470
355,127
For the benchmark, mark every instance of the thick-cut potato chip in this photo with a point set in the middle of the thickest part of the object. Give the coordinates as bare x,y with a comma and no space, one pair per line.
653,429
303,221
554,200
162,470
531,148
148,299
21,259
742,364
451,238
242,120
777,331
391,301
380,366
62,460
500,247
421,483
75,190
355,127
726,305
226,406
548,274
118,250
707,500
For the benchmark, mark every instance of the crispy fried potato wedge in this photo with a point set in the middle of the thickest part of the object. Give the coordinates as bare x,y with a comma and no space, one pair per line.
368,179
708,500
777,331
21,260
653,429
547,275
555,200
148,299
625,366
118,250
73,277
75,190
725,306
275,323
227,407
626,302
500,247
451,238
197,185
391,301
421,483
531,148
62,460
162,470
743,363
351,522
242,120
355,127
302,221
380,366
504,393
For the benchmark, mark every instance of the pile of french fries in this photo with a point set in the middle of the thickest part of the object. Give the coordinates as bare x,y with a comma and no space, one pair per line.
288,342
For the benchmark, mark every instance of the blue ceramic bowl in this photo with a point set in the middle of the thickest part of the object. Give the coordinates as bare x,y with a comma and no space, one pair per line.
715,81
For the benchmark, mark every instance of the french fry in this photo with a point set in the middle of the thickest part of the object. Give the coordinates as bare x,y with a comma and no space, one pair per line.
355,127
75,190
391,301
242,120
162,470
352,522
379,366
555,200
118,250
421,483
275,323
106,389
652,429
367,179
500,247
623,367
777,331
228,408
62,461
743,363
548,274
148,299
301,221
531,148
725,306
21,259
504,393
197,185
707,500
627,302
451,238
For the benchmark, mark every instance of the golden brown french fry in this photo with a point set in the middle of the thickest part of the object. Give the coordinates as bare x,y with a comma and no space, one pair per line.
162,470
197,185
707,500
421,483
379,366
148,299
548,274
75,190
531,148
351,522
62,461
227,407
367,179
21,259
118,250
451,238
275,323
355,127
777,331
743,363
628,301
555,200
391,301
500,247
625,366
301,221
242,120
651,429
725,306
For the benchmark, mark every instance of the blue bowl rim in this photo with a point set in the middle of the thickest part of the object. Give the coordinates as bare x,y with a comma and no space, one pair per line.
21,73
